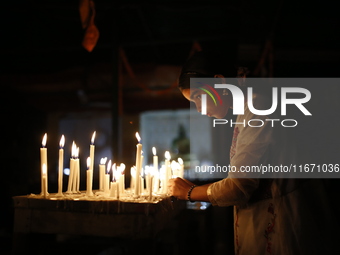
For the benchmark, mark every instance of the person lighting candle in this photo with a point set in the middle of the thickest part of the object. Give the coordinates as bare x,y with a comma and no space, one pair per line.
276,215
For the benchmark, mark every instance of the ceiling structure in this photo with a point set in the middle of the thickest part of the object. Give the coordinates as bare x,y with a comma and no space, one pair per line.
43,57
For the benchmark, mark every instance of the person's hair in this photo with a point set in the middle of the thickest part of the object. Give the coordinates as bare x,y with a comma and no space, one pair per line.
204,64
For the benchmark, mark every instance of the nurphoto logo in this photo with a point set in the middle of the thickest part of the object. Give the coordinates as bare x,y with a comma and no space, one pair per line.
238,104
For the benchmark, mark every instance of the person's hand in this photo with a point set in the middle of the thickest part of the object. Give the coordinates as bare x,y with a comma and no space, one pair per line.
179,188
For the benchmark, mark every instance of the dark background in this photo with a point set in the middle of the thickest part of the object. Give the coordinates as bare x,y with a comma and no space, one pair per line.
44,70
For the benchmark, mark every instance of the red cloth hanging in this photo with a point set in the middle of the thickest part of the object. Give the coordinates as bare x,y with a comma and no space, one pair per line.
87,14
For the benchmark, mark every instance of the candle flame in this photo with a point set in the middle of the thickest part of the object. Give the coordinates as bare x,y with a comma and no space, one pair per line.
93,136
62,141
77,153
114,172
73,150
138,137
88,162
122,165
103,161
154,151
44,140
167,155
174,165
149,171
122,168
108,166
44,169
180,160
133,171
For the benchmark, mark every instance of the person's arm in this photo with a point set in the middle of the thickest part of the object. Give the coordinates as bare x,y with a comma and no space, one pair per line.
179,188
222,193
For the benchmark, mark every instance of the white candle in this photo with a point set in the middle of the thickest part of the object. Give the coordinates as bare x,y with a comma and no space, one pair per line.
167,171
89,175
141,161
141,184
102,173
155,159
151,184
43,158
138,166
133,176
107,178
174,166
92,150
44,180
147,172
121,181
155,186
142,174
71,174
76,176
148,178
61,166
181,168
114,190
162,179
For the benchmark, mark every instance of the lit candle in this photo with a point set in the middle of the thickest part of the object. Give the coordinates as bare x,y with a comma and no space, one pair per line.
162,179
70,177
167,171
133,177
44,180
149,177
61,165
181,168
141,160
89,192
92,151
76,176
43,158
107,178
174,166
114,190
121,170
155,159
138,166
155,181
102,173
150,188
141,183
115,178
